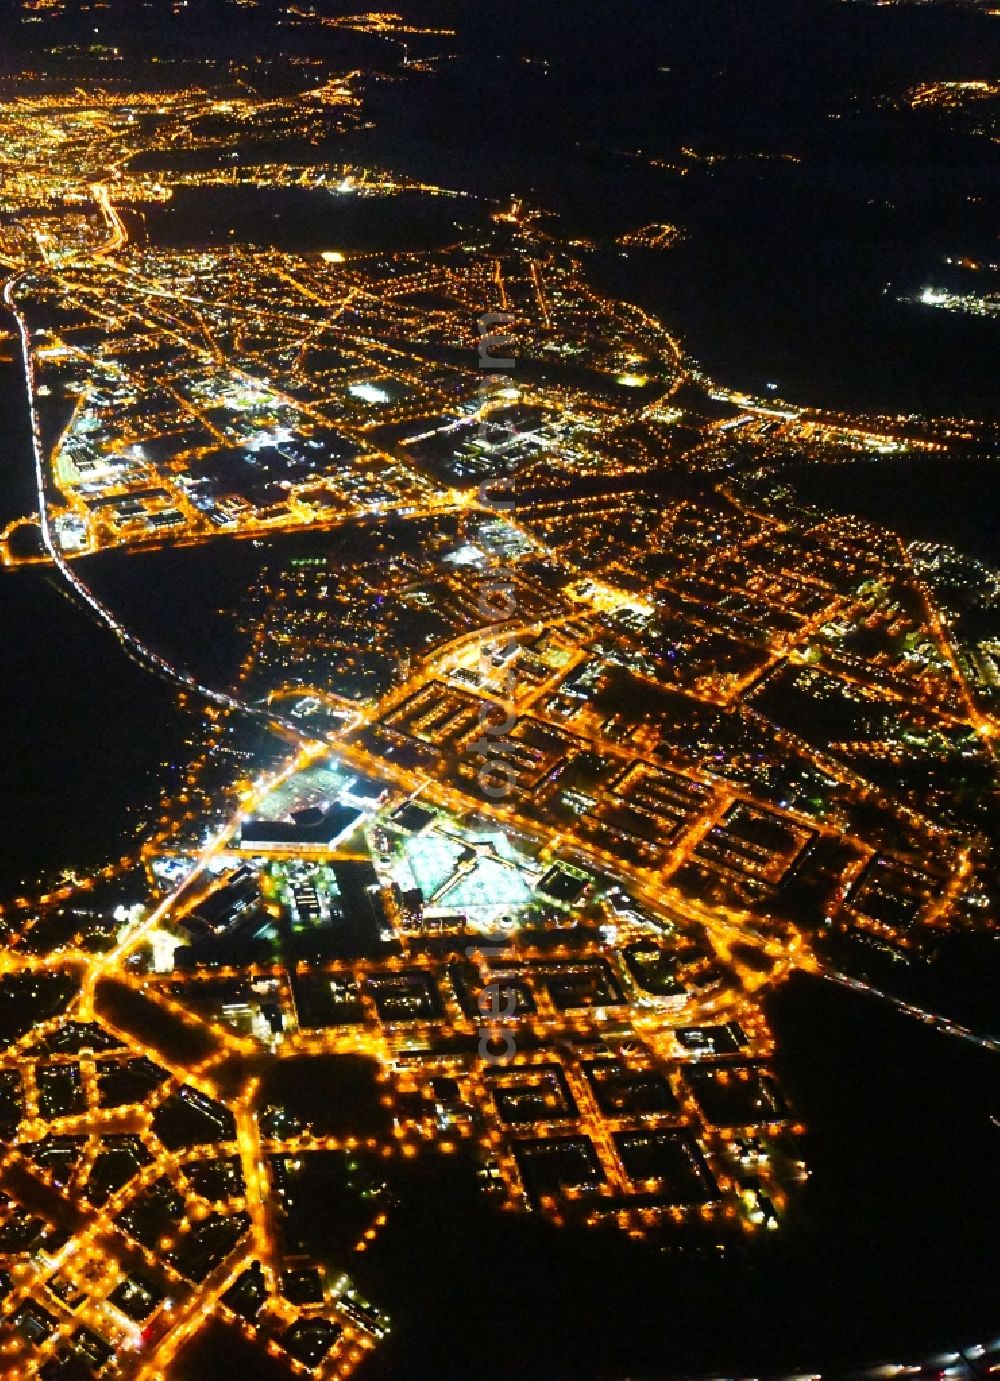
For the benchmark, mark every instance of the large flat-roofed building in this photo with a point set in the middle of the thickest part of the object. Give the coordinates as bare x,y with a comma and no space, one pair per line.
222,910
304,832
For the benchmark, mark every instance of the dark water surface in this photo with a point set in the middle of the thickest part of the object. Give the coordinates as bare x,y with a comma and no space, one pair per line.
300,220
17,471
86,734
944,499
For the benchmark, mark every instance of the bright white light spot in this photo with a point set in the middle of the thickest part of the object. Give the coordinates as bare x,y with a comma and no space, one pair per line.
368,393
466,556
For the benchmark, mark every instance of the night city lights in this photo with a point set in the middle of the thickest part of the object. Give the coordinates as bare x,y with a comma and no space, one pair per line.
501,690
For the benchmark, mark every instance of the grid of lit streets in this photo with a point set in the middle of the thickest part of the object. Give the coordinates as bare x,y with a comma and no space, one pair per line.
722,712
